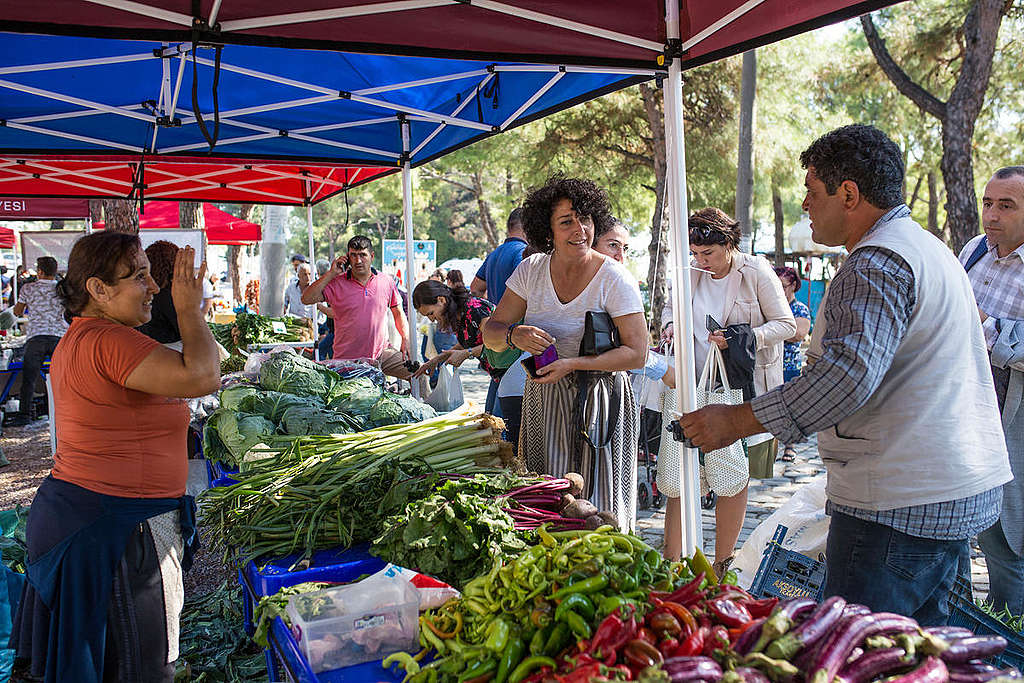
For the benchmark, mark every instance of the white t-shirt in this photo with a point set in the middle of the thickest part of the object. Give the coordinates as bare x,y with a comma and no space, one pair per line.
612,289
708,299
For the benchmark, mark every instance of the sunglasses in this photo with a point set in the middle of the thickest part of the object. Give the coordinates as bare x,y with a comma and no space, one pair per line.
708,235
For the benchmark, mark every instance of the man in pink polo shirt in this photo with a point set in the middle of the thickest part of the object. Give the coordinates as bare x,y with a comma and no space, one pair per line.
360,298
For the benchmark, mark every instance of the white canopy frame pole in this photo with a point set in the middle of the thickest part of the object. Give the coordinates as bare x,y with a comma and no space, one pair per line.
410,265
686,381
311,309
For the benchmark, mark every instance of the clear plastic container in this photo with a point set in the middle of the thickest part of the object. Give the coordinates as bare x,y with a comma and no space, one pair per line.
357,623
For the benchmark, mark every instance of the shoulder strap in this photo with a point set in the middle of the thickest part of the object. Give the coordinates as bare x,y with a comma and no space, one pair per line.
978,252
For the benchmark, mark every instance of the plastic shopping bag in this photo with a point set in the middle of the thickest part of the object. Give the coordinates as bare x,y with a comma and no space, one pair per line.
804,515
447,394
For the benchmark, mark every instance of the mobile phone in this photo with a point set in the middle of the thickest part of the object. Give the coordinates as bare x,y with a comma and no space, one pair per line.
535,363
712,324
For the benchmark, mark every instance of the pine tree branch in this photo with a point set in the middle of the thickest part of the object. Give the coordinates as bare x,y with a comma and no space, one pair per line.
927,102
632,156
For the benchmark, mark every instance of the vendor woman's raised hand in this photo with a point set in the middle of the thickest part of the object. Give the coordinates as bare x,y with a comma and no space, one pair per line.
186,285
532,339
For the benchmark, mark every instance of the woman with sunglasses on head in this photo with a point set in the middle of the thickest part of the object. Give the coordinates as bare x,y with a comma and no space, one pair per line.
733,288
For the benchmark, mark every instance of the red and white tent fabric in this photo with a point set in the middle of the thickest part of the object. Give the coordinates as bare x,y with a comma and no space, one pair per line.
221,226
7,238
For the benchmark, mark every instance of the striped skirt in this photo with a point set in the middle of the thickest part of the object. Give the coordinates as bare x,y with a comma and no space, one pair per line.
551,438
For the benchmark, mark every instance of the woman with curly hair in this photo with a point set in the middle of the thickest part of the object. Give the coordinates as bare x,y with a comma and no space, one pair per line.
593,432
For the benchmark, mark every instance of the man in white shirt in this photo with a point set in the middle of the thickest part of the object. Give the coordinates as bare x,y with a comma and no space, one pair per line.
46,325
995,267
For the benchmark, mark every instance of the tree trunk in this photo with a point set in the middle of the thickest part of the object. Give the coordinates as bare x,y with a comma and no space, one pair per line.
780,226
658,249
96,210
959,114
933,205
56,224
248,213
484,207
190,216
122,215
745,166
913,197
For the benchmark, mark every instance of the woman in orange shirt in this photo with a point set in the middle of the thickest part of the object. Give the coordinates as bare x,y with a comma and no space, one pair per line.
110,530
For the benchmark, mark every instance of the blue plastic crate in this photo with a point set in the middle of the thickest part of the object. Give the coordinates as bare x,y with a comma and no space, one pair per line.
788,574
219,475
329,566
285,662
963,612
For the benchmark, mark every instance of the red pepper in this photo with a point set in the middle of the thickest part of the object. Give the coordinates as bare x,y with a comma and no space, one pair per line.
685,617
717,640
729,613
727,591
761,608
647,635
608,650
582,674
686,591
608,628
692,599
694,644
668,647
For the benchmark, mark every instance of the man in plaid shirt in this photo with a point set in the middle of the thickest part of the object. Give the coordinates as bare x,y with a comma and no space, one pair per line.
913,468
995,266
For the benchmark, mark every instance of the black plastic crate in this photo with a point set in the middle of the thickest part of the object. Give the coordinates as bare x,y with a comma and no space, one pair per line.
786,574
963,612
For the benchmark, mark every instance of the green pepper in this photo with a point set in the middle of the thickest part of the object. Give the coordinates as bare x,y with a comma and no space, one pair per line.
539,639
528,665
619,559
627,582
652,557
577,602
561,636
513,653
591,585
453,665
498,635
479,668
578,625
404,660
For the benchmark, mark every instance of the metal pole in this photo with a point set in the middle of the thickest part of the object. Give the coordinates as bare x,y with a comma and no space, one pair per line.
410,266
311,310
686,381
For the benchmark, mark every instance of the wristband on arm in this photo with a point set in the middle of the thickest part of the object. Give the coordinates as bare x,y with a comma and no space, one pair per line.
508,335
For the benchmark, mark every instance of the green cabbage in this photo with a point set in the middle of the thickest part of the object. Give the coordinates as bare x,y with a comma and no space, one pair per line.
232,434
291,373
300,420
385,412
355,396
232,397
273,404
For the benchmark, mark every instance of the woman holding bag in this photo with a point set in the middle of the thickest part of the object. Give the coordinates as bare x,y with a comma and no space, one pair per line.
733,288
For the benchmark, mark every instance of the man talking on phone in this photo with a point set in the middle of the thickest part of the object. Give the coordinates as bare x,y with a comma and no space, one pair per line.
361,298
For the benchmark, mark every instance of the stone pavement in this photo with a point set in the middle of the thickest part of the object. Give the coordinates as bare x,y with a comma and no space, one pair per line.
764,495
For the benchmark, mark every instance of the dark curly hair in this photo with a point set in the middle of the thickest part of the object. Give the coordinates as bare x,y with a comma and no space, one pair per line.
105,255
587,199
161,255
604,226
862,154
711,225
428,292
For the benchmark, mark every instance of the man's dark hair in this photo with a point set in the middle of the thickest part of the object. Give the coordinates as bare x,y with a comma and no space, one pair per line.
360,242
515,219
862,154
1009,172
588,201
46,265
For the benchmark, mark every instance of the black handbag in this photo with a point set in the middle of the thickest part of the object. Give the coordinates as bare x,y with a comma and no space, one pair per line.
599,334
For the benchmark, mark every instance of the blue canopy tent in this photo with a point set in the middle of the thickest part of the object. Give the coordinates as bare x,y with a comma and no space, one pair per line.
392,83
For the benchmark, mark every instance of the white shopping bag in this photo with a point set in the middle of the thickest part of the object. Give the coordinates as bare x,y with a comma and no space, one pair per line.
447,394
725,469
804,516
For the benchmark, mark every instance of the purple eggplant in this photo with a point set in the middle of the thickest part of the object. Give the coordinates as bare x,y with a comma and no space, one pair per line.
871,664
853,609
973,666
745,643
778,670
931,670
809,632
692,669
949,632
745,674
784,618
981,675
978,647
849,635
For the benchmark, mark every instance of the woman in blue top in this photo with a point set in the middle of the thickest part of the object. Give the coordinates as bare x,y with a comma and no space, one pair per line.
791,359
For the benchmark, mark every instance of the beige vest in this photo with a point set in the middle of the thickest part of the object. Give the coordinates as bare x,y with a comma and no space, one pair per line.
931,430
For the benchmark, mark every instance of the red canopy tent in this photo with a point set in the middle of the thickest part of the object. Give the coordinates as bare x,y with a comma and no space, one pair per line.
7,238
221,226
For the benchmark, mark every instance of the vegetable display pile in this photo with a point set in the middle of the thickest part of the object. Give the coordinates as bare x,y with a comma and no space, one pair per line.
253,328
579,608
319,492
213,645
298,397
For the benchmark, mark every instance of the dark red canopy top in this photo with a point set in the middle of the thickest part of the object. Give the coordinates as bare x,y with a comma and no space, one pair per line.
562,31
221,226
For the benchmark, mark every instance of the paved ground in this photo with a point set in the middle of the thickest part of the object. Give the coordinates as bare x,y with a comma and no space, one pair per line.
764,496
